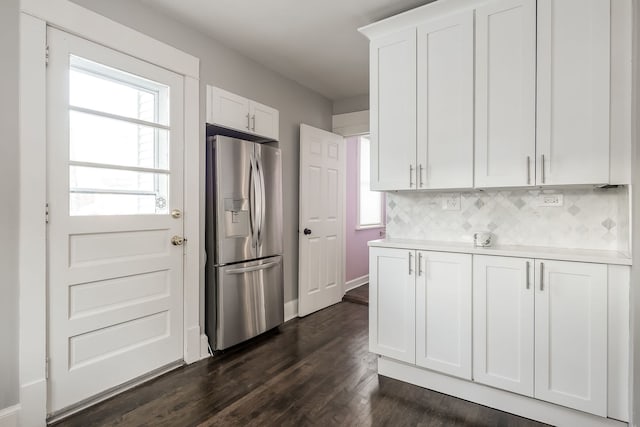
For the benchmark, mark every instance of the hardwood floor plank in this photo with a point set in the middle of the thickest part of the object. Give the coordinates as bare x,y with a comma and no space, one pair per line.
315,371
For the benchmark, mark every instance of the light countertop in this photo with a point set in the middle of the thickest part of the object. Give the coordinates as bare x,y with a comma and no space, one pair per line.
561,254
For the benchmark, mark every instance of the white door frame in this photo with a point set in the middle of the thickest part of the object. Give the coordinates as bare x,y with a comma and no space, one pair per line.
35,16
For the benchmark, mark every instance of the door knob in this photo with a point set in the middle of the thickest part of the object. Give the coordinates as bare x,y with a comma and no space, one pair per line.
307,231
176,213
178,240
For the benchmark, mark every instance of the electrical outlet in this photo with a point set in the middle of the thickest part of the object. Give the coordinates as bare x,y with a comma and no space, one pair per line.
551,200
451,202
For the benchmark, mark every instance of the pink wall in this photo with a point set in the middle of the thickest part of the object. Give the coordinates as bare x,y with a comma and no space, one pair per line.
357,249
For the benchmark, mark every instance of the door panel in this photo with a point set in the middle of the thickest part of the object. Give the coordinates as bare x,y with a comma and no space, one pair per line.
503,323
269,163
393,112
392,315
505,93
445,102
321,248
573,91
115,281
443,313
571,335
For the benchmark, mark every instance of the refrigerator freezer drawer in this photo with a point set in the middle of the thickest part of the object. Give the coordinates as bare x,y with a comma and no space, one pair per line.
250,300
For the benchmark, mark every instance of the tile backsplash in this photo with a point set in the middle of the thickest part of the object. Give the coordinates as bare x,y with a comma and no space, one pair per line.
590,218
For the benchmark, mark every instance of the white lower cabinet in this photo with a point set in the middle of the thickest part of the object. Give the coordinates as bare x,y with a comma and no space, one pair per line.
571,335
392,290
503,323
443,313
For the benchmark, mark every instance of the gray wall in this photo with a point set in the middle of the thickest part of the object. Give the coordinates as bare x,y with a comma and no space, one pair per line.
229,70
351,105
9,214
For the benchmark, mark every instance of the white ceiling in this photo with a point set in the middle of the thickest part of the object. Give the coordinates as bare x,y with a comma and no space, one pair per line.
314,42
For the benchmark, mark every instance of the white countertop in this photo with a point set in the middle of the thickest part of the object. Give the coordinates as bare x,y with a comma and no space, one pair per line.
562,254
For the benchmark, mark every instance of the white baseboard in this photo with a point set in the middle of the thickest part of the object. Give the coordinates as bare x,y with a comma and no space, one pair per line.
290,310
499,399
356,283
204,347
33,404
9,416
192,350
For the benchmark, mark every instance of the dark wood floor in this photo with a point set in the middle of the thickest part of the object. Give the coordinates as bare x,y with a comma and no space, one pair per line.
315,371
359,295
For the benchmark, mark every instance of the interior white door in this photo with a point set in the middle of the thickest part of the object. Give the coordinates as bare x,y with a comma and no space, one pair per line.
574,68
321,224
392,303
443,312
445,102
505,93
503,323
571,335
115,175
393,111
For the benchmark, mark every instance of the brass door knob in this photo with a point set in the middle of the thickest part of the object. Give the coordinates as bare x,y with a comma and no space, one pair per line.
177,240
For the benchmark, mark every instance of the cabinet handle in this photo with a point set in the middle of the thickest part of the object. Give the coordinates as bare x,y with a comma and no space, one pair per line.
542,276
248,127
419,263
410,175
253,128
528,282
420,174
543,174
410,270
528,171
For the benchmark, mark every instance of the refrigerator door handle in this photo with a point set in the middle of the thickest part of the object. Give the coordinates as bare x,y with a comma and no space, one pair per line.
263,201
252,201
253,268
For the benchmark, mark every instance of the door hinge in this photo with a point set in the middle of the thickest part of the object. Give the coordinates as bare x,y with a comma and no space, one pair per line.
46,213
46,368
46,55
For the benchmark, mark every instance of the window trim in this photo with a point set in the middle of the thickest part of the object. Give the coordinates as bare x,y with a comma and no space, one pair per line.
359,226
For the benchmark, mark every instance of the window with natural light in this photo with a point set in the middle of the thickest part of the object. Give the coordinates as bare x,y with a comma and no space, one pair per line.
369,202
118,142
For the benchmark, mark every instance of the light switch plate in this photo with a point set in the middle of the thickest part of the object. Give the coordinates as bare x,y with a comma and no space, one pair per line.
451,202
551,200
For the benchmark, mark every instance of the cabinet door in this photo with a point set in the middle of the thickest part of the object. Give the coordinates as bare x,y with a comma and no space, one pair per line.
392,303
445,102
503,294
393,111
443,313
505,93
265,121
228,110
571,335
573,91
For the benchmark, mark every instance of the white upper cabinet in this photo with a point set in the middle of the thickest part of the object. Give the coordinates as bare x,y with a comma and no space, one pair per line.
235,112
443,313
503,322
571,335
574,60
392,286
505,93
445,102
393,111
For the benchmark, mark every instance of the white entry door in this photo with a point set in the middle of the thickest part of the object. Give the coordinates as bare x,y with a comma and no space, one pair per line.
321,226
115,184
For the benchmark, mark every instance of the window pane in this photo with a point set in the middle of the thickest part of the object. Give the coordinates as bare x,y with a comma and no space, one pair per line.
370,201
119,192
101,140
97,87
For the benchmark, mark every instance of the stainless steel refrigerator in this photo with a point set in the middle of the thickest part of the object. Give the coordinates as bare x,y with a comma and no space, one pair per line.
243,241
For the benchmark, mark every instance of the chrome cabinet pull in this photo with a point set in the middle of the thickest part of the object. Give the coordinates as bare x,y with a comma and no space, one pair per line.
419,263
248,122
253,128
542,276
410,270
420,174
543,174
528,171
528,282
410,175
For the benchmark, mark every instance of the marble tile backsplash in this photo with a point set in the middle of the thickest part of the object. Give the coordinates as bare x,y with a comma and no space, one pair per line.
589,218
